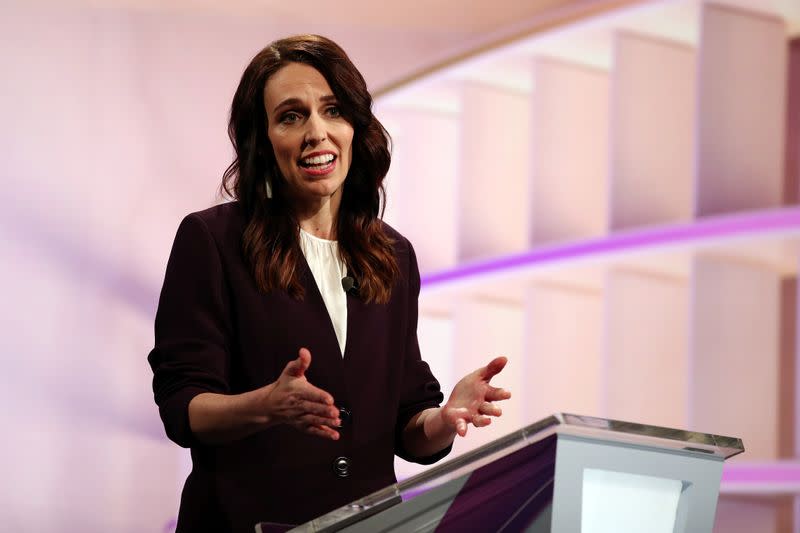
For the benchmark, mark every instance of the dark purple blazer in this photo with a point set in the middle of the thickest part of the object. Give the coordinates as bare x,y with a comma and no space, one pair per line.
215,332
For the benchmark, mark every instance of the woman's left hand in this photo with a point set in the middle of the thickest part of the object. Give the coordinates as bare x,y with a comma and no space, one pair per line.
472,399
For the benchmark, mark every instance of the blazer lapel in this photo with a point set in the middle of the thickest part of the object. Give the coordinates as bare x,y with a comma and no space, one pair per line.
317,306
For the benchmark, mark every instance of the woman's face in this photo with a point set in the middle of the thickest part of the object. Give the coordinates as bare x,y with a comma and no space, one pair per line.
311,140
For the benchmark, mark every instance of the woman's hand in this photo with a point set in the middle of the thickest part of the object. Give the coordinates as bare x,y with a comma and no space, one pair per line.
222,418
471,401
292,400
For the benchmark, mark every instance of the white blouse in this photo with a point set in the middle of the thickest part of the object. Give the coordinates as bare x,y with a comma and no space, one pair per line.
328,269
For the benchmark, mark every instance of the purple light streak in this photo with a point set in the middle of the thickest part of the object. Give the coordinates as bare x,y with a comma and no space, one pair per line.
718,228
780,477
764,473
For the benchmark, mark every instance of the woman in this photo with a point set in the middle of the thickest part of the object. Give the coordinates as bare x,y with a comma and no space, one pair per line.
253,293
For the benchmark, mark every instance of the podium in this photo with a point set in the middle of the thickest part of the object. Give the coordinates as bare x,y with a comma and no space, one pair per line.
566,473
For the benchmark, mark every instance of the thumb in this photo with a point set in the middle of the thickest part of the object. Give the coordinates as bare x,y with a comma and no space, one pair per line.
298,367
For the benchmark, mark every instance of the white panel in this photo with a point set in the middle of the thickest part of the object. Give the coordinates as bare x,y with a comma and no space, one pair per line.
569,152
741,111
422,182
619,501
646,368
563,339
493,172
435,335
483,330
652,131
735,353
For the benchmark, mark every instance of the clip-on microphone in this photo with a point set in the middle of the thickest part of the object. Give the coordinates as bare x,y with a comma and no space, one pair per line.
349,283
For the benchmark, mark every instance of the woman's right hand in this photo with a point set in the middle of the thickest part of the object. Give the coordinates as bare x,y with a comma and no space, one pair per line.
292,400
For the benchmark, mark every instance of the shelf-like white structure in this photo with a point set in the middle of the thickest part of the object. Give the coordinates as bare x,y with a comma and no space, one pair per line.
612,205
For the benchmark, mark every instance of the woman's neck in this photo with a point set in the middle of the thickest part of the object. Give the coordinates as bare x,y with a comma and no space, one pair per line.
318,215
320,222
323,229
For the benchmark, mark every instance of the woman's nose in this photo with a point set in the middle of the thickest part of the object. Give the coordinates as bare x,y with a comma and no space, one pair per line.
315,130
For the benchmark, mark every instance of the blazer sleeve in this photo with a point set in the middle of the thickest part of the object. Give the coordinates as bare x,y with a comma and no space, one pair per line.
420,389
190,355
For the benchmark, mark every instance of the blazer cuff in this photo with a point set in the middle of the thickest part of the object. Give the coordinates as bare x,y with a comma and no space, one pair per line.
174,412
399,448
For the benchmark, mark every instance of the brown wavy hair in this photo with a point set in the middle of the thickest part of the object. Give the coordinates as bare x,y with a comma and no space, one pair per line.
271,238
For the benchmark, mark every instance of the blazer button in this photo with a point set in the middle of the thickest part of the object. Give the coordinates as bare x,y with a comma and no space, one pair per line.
341,466
345,416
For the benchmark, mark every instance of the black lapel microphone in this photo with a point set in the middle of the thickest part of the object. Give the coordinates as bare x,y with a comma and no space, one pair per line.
349,284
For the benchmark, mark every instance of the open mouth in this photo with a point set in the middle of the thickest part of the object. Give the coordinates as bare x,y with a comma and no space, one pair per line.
317,162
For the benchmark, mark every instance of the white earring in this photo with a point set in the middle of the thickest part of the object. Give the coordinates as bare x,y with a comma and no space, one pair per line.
268,187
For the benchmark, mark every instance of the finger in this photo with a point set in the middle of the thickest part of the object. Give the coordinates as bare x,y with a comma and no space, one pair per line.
488,408
320,409
328,431
494,394
298,367
312,420
306,392
494,367
480,421
322,431
453,414
461,427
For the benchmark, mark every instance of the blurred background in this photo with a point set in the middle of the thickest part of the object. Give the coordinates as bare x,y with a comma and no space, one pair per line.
604,191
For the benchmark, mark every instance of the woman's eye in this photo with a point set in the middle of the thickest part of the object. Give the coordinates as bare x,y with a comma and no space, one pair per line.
334,111
290,118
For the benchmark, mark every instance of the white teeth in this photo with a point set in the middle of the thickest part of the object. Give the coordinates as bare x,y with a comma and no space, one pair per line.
318,160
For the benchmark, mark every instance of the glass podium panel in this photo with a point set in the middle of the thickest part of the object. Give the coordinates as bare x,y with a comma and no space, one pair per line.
537,478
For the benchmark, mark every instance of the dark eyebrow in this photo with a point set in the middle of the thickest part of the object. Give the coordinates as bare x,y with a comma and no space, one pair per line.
296,101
